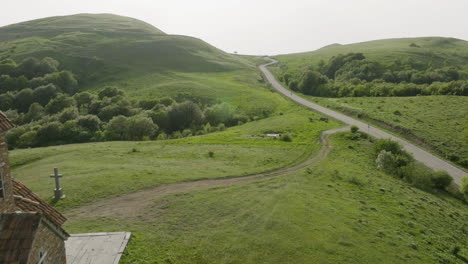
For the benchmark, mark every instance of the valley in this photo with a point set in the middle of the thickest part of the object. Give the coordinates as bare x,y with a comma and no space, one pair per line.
206,158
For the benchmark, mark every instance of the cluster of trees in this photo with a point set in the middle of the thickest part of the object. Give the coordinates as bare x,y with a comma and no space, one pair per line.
48,109
391,158
355,75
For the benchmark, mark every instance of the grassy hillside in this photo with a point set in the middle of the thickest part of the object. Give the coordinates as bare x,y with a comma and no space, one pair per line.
99,46
430,50
97,170
437,122
339,211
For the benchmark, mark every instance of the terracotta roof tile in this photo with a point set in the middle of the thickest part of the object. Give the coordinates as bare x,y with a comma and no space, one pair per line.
17,236
5,123
27,201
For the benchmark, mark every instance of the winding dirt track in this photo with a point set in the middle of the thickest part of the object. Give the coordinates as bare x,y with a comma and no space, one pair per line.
133,204
419,154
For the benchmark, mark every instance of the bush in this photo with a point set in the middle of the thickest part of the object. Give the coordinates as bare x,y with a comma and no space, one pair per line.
420,177
211,154
387,145
354,129
286,138
441,179
386,162
464,187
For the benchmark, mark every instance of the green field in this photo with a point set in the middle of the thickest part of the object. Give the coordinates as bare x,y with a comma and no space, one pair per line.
341,210
438,123
97,170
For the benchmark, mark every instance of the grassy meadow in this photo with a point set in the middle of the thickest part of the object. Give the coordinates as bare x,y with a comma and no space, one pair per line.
340,211
97,170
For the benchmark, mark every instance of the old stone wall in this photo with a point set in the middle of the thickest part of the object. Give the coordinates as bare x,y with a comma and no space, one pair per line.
7,204
48,241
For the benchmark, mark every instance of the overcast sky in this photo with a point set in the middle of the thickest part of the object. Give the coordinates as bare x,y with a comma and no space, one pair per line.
269,26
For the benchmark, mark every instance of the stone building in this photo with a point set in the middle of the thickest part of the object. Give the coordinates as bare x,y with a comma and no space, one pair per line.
30,229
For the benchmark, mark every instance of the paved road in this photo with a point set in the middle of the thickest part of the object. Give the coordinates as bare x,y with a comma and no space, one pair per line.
419,154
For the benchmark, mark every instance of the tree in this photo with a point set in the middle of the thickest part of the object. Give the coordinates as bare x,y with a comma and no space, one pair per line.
65,80
184,115
49,133
148,104
313,83
59,103
7,67
108,112
6,101
47,65
160,118
441,179
84,99
117,128
23,100
29,67
43,94
140,127
36,112
219,113
90,122
28,139
70,113
110,92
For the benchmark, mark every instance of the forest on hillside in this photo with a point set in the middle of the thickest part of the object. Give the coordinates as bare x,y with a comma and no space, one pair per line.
46,104
354,75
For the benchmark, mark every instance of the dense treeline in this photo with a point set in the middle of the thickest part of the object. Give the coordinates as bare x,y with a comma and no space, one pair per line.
355,75
48,108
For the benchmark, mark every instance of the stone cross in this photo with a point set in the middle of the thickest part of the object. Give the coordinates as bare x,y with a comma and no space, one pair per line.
58,194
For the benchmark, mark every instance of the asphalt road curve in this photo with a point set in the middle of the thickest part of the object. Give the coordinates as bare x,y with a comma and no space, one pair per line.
419,154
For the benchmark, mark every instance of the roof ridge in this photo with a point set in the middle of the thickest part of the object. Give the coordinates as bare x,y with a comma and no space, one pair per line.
5,123
25,199
35,203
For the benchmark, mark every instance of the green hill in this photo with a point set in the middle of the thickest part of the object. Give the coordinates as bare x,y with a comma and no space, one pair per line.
437,51
95,46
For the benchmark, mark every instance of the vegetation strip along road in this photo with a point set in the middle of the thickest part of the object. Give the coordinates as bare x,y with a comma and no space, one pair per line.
133,203
419,154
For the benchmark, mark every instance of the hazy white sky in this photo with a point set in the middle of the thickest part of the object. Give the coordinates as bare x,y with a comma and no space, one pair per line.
269,26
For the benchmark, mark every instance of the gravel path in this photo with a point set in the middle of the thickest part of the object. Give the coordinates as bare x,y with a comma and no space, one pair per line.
419,154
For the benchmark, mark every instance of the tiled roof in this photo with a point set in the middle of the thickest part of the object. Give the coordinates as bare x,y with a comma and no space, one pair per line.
17,236
5,124
27,201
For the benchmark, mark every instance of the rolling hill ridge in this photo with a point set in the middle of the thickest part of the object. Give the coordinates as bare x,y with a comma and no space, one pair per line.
95,46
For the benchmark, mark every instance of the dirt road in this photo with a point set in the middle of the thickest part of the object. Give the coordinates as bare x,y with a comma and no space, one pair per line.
132,204
419,154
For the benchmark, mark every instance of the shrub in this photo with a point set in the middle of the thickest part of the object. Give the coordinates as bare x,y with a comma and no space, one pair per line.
387,145
386,162
211,154
354,129
441,179
286,138
464,187
421,178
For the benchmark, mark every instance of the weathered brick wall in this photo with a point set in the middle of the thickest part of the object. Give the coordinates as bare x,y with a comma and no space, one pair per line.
48,241
7,205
